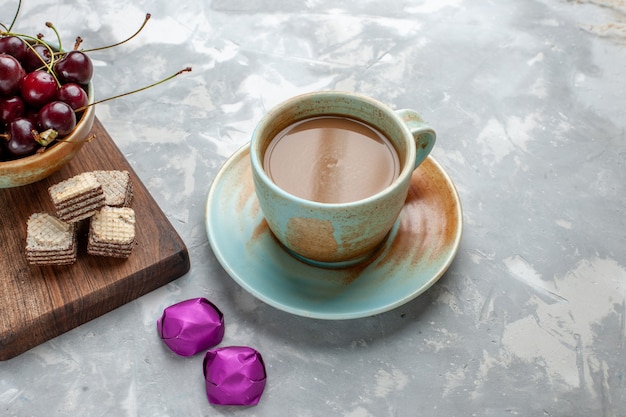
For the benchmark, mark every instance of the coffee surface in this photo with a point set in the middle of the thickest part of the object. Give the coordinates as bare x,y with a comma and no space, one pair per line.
331,159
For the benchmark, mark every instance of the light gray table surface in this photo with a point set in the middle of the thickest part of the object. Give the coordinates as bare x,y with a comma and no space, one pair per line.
528,99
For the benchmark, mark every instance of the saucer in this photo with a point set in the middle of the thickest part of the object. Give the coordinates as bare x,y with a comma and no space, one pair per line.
417,252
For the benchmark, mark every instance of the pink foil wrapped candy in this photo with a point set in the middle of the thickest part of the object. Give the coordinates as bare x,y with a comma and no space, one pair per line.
234,375
191,326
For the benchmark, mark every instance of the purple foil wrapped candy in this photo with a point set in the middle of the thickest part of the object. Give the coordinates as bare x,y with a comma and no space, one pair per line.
191,326
234,375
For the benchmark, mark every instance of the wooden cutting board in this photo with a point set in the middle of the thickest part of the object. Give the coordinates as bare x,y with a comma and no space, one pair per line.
39,303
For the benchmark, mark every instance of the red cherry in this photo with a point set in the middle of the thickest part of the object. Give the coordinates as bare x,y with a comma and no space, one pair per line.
57,115
11,74
21,139
39,88
14,46
74,95
10,109
74,67
35,58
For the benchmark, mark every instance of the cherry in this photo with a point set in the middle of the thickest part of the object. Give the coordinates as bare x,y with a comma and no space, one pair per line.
21,141
74,95
58,116
10,109
39,88
11,74
14,46
74,67
36,58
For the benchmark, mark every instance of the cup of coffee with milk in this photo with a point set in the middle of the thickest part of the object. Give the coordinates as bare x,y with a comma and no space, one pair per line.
332,171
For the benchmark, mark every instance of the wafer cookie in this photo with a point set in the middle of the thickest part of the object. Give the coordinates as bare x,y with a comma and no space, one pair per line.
50,241
112,232
117,187
77,198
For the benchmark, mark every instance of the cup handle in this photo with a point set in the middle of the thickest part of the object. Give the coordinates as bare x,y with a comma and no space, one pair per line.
423,134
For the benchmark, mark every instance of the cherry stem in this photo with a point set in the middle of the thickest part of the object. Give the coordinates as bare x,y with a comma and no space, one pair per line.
188,69
148,15
77,43
54,29
17,12
86,140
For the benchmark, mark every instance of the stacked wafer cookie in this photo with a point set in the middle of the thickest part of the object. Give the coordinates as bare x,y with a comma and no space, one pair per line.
102,197
112,232
50,241
117,187
77,198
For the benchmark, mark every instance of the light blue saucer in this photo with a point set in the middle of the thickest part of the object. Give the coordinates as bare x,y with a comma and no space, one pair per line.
418,251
